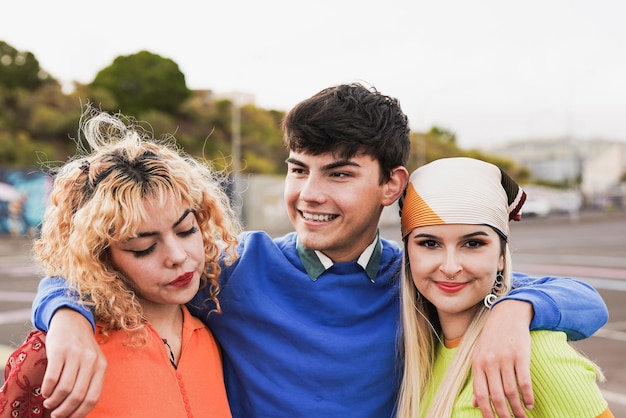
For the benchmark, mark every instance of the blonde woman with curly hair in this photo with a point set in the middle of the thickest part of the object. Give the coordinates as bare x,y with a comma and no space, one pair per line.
455,227
136,228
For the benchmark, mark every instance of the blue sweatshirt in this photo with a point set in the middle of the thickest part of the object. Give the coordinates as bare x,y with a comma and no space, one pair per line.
297,347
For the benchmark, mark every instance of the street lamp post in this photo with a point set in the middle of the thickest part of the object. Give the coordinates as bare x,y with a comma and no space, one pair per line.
236,155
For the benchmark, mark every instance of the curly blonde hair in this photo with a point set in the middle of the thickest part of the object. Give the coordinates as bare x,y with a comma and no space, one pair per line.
98,199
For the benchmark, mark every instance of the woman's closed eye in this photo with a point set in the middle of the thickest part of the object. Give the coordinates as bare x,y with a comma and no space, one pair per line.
143,253
188,232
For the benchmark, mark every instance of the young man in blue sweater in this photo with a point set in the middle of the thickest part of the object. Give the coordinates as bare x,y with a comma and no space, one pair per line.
310,319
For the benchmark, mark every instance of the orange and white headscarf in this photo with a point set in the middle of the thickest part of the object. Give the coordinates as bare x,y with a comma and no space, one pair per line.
460,191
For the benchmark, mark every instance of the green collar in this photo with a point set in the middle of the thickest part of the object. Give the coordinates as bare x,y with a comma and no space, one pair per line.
316,263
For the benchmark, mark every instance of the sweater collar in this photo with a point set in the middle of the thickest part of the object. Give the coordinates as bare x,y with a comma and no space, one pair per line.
316,263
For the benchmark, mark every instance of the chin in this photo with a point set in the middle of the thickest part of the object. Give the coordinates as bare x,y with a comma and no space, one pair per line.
311,240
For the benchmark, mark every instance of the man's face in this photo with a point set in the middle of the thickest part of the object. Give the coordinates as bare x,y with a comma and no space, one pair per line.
334,204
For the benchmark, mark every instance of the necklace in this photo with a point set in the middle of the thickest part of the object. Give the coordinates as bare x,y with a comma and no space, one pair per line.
172,359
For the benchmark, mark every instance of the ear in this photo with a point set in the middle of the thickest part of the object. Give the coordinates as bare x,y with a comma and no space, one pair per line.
393,189
501,263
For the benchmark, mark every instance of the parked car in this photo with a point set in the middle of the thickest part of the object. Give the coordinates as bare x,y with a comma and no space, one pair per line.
536,206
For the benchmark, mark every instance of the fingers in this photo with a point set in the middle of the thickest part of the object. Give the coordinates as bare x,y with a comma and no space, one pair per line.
489,387
76,366
511,395
499,391
501,363
84,394
525,385
94,391
52,378
75,390
481,395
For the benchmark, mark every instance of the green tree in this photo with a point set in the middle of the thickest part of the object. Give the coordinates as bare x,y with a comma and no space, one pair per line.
204,128
444,135
263,150
144,81
441,143
18,150
20,69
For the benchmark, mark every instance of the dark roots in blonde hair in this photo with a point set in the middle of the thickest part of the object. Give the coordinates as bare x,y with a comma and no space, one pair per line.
98,199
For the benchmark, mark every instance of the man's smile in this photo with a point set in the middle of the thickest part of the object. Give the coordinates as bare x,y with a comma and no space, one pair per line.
317,217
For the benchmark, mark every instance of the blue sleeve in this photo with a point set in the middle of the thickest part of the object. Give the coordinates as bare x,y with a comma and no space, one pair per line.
201,306
52,295
561,304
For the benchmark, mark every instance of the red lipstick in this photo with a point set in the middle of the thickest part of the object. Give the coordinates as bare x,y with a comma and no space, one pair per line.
450,287
183,280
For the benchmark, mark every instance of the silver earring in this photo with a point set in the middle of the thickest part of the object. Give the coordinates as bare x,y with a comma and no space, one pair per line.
497,290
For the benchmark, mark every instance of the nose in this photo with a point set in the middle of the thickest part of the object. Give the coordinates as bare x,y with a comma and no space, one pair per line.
312,190
450,265
176,253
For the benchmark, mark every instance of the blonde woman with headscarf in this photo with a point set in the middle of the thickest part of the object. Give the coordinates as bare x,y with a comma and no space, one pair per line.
455,227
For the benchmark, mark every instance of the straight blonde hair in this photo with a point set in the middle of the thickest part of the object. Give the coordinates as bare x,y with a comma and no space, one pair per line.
418,342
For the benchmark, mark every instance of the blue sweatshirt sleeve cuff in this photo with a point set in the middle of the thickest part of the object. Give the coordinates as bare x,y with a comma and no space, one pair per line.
53,294
561,304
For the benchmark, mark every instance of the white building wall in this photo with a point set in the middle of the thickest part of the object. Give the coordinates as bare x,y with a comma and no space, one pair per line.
601,173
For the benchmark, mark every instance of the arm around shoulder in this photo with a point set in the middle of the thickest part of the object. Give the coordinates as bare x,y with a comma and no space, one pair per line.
53,294
561,304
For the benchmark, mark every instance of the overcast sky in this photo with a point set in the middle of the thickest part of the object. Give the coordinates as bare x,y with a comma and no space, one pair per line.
488,70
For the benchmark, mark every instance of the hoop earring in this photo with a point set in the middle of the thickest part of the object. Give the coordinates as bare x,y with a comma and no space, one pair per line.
497,290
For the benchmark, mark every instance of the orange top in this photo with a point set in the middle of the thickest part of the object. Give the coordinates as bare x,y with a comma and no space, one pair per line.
141,382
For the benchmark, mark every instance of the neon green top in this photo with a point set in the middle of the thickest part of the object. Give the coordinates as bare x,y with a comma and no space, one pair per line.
564,382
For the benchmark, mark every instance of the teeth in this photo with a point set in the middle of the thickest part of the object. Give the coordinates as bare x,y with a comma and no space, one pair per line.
317,217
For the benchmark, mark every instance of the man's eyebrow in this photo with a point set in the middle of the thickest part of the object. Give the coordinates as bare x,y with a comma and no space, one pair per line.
291,160
340,163
330,166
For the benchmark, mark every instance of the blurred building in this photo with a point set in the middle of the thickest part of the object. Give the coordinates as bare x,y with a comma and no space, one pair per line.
594,167
601,176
